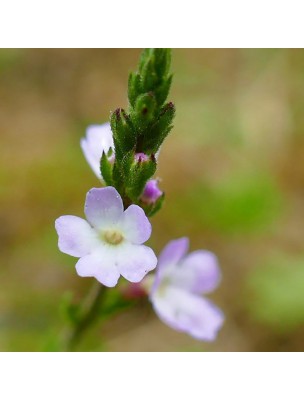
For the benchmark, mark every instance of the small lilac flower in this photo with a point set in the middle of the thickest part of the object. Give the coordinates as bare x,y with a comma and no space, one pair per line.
151,192
98,139
179,281
110,242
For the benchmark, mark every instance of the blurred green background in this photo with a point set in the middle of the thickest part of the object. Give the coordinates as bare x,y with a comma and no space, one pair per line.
232,170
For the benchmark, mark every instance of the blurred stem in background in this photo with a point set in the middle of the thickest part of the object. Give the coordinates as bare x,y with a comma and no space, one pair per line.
89,312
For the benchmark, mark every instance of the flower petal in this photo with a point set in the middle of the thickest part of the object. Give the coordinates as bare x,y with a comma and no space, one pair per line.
188,313
173,252
170,256
103,206
135,261
93,161
99,265
135,225
198,272
76,237
98,138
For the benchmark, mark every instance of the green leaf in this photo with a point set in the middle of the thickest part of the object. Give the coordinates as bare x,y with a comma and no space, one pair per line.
150,79
161,93
144,111
106,168
126,167
123,133
152,209
145,55
134,87
140,173
158,132
118,179
162,61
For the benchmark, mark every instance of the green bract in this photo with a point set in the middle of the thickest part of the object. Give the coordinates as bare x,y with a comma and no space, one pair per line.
141,129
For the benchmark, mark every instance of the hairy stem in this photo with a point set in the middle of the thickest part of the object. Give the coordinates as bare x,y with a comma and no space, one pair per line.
89,313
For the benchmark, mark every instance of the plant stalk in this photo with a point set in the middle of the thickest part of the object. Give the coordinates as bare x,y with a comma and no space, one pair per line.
89,313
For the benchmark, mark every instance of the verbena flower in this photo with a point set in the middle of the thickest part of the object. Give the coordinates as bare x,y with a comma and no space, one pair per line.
110,242
180,280
99,139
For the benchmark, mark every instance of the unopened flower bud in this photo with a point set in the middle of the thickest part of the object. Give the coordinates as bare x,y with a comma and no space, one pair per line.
134,291
140,157
151,192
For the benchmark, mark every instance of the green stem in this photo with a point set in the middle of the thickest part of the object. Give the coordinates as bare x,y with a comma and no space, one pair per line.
89,313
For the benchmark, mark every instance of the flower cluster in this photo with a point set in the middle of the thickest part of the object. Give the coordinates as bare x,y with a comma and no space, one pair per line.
110,242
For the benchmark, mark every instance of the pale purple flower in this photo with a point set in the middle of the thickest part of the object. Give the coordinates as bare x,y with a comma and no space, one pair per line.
151,192
110,242
99,139
180,280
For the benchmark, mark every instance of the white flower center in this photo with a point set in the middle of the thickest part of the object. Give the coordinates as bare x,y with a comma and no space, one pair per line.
161,290
112,237
147,282
167,280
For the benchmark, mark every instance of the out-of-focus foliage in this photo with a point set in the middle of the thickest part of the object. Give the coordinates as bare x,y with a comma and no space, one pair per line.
242,203
277,295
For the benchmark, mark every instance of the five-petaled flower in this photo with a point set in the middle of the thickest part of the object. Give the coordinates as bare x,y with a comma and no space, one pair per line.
110,242
180,280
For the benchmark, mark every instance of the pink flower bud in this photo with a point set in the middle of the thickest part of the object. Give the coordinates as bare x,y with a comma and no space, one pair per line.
140,157
134,291
151,192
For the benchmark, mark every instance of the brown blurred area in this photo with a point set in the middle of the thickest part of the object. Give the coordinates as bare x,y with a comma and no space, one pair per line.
232,170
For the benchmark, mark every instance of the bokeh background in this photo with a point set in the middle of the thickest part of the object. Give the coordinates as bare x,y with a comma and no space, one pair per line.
232,170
